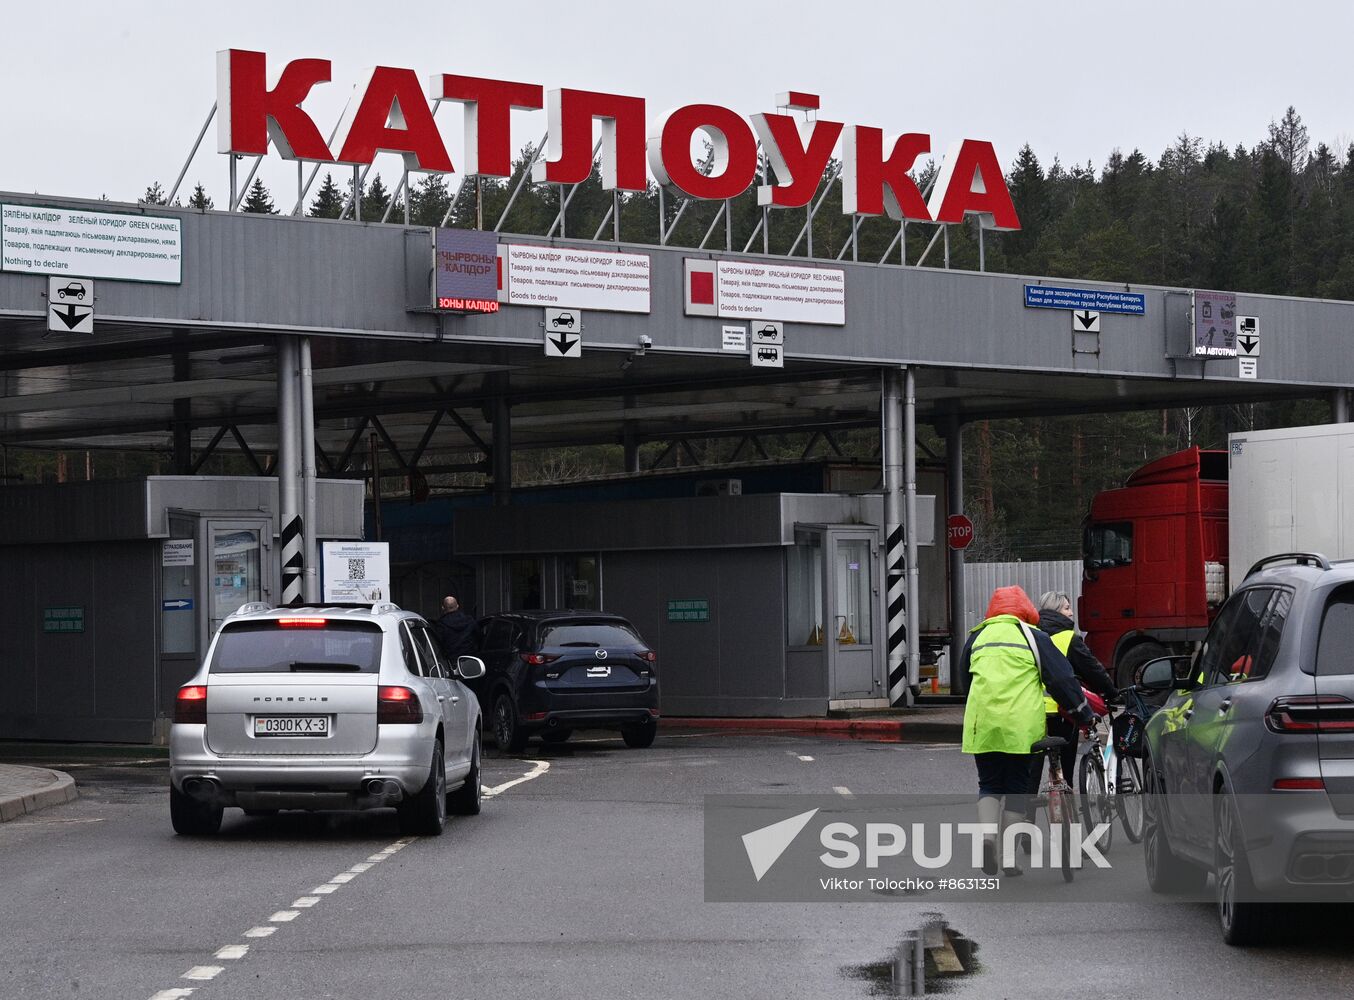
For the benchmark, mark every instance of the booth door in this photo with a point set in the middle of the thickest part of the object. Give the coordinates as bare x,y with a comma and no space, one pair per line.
238,567
851,592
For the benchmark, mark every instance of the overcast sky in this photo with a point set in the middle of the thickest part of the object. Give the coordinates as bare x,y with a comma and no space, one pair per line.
104,99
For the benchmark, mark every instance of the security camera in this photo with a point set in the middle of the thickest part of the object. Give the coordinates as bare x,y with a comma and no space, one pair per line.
645,343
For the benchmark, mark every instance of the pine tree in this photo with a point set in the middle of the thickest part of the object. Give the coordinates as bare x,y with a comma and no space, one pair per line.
328,202
259,201
430,199
375,200
199,200
155,195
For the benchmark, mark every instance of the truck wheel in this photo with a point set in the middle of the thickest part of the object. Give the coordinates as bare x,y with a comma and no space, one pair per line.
1132,661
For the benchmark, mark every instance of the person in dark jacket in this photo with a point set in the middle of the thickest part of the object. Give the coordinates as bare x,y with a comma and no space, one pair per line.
456,631
1055,618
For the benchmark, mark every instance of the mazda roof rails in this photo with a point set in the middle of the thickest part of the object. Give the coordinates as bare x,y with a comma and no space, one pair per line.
1300,558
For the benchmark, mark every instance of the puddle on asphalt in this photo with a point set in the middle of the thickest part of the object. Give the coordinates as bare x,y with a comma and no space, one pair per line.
931,960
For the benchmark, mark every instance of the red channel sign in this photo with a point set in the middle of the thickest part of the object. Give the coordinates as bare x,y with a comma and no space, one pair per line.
960,531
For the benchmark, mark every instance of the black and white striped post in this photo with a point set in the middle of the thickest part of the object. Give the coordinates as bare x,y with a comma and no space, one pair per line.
895,546
291,535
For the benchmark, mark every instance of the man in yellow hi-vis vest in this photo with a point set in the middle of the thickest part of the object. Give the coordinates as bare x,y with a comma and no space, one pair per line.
1010,666
1055,618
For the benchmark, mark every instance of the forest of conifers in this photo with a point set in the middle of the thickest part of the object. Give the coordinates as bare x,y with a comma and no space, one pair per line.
1275,216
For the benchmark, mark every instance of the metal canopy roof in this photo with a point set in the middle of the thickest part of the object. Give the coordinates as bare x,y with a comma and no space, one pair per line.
429,382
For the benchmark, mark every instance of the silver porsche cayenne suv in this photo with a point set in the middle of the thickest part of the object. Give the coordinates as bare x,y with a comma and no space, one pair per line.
326,708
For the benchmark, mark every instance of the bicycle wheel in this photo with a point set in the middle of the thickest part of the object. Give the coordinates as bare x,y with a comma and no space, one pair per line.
1128,798
1095,798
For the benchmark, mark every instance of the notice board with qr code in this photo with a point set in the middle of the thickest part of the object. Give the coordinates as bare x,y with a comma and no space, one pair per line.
356,572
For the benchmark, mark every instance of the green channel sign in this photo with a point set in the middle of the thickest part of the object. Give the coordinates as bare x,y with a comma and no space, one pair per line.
688,611
63,619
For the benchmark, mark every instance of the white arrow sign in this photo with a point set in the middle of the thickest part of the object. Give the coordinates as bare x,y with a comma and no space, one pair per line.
70,305
1248,336
1085,321
563,333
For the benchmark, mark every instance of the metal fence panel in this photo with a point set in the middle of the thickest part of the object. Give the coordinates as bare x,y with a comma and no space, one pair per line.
980,579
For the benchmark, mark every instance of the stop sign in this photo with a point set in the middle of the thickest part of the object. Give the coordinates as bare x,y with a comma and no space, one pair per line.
960,531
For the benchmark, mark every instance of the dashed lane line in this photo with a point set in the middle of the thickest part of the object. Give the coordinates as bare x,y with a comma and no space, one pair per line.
206,973
843,791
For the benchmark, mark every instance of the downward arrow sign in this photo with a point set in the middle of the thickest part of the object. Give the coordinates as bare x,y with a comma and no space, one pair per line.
563,343
70,315
1248,344
1086,319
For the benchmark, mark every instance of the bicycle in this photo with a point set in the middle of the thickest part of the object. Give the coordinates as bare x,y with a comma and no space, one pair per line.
1109,782
1055,795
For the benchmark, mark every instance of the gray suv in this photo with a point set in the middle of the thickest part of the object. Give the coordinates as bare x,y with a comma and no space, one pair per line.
326,708
1249,766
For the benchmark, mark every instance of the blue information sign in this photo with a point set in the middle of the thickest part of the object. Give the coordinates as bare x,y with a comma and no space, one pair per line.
1094,299
178,604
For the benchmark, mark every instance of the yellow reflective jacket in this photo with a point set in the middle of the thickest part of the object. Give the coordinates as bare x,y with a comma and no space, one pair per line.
1063,640
1004,712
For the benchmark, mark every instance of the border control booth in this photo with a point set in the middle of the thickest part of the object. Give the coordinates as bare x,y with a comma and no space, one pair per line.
761,605
120,586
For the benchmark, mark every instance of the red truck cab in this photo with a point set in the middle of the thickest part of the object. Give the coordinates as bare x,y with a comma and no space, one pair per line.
1155,561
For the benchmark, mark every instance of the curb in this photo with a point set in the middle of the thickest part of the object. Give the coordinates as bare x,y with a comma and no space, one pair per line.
61,789
878,730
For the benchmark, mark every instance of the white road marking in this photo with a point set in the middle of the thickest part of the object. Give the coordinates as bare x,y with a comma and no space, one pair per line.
843,791
237,951
541,766
204,972
804,757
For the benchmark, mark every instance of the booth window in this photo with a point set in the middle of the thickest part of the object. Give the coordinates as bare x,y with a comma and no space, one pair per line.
526,584
804,590
580,580
854,591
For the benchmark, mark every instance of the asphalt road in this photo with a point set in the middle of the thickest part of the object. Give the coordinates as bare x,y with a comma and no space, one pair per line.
584,880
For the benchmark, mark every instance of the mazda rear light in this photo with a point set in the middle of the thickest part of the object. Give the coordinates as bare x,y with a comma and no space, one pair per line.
397,706
1314,713
534,716
536,659
191,705
648,655
302,622
1299,785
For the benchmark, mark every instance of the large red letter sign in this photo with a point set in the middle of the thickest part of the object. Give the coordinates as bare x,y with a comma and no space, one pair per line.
249,114
798,168
392,116
871,184
971,183
570,114
488,109
734,163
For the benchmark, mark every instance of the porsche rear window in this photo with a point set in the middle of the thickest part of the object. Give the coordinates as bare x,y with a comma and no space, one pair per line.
266,647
